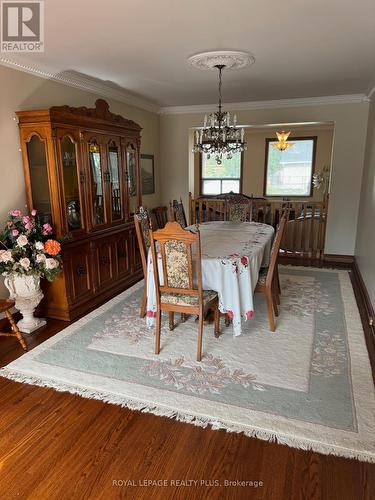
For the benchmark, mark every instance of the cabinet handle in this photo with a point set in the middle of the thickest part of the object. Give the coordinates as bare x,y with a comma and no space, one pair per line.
80,270
104,259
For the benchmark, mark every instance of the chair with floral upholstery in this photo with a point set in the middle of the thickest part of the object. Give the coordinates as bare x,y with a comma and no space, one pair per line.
268,281
178,212
142,225
181,276
239,210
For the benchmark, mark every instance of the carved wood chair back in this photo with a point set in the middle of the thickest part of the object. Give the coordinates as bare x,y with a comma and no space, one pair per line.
178,212
161,216
180,251
275,250
142,227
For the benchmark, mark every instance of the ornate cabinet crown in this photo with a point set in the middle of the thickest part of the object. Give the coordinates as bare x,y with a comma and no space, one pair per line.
82,175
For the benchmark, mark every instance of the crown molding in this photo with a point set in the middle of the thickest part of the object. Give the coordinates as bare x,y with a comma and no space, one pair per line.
84,82
279,103
113,91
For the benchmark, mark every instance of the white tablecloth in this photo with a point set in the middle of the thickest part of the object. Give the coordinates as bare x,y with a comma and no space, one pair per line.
232,255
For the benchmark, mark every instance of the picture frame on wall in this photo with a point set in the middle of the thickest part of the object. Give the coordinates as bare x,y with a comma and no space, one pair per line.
147,174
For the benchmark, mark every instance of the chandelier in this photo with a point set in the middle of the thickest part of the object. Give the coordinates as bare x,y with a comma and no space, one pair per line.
282,143
219,135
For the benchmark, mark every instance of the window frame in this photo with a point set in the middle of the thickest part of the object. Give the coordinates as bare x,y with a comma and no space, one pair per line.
201,179
313,138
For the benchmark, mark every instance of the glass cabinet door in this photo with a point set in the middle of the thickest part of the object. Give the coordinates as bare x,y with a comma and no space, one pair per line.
114,181
131,165
71,183
97,184
36,152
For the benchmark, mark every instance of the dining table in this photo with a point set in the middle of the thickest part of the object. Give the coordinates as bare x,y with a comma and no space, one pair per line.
232,255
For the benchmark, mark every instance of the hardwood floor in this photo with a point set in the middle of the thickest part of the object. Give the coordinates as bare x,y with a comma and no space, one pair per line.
60,446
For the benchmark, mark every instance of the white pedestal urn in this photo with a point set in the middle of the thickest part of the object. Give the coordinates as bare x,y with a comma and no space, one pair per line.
26,292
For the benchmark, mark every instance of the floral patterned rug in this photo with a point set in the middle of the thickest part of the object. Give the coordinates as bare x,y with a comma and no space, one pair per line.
307,385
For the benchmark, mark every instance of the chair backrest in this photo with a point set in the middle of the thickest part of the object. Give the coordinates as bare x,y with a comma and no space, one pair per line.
178,212
142,227
161,216
275,250
239,211
180,251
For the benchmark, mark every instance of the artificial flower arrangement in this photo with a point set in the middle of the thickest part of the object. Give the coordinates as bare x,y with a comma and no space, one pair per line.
28,249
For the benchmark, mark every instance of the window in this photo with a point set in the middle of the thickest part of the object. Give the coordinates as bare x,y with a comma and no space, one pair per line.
218,179
289,172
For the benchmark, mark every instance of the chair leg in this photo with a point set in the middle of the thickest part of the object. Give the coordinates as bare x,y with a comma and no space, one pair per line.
142,311
184,317
171,320
200,336
277,280
15,330
157,331
275,302
271,318
217,322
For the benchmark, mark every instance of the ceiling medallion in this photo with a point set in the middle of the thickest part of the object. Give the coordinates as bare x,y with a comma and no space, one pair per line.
230,59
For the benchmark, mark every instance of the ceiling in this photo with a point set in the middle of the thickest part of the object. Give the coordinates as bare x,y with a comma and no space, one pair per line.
301,49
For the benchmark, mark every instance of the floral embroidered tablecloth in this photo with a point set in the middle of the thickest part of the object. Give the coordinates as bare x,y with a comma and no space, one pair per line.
232,255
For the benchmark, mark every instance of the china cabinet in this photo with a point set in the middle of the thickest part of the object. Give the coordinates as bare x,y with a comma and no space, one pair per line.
82,174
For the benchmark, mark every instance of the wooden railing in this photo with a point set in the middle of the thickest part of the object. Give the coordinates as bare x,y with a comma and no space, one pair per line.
305,230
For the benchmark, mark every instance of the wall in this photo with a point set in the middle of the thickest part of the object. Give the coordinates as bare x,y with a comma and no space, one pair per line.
254,156
350,126
22,91
365,248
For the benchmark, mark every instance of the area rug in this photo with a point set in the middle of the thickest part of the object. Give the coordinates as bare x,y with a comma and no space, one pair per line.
308,385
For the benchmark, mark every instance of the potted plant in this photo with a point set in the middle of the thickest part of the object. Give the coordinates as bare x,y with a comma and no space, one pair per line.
27,254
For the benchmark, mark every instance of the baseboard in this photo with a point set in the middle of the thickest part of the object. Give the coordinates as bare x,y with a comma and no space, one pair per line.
340,259
365,297
366,311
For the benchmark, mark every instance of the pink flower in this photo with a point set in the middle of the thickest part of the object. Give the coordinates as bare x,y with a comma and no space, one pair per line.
47,229
244,261
22,240
151,314
33,212
230,314
9,223
28,226
15,232
16,213
25,263
249,314
25,219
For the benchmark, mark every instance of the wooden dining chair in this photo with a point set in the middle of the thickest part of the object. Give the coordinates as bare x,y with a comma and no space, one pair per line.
161,216
238,211
6,307
267,283
178,212
180,251
142,225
